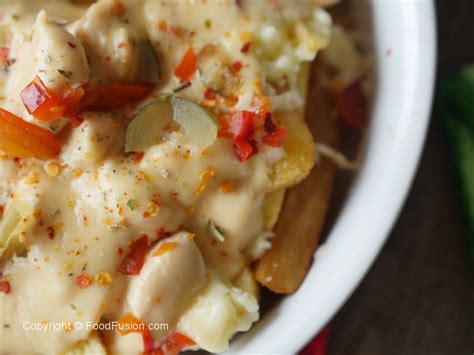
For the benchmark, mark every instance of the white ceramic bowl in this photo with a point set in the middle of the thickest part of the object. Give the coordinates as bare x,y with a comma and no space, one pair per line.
404,36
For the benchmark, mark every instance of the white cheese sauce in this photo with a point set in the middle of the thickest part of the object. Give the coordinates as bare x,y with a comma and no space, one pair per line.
85,208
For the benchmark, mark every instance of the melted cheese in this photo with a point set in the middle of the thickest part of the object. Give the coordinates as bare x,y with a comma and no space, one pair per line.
100,199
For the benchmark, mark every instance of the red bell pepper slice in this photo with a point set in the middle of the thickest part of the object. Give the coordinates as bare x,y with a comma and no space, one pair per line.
135,258
245,149
238,126
187,67
112,96
40,102
173,344
47,106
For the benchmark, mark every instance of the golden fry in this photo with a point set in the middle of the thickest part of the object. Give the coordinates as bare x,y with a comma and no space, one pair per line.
283,267
271,208
299,149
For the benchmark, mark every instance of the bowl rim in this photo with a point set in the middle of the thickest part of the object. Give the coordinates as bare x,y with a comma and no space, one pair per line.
405,48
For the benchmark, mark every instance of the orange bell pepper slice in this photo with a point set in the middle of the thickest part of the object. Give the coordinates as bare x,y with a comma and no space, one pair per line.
24,140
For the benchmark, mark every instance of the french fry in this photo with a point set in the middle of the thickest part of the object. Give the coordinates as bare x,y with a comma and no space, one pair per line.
271,208
283,267
299,149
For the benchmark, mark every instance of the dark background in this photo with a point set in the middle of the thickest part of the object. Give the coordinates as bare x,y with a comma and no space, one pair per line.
419,296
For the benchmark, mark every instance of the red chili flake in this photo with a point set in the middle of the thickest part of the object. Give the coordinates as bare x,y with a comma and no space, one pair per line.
2,210
135,258
138,157
236,66
120,251
246,47
51,233
83,280
4,54
210,94
175,30
75,121
351,104
5,286
121,45
238,3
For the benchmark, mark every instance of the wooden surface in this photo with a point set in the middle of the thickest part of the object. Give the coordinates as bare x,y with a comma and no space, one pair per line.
419,296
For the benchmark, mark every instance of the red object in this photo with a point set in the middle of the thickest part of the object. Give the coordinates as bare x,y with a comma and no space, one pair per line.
135,258
210,94
4,54
75,121
138,157
111,96
131,324
351,104
236,66
22,139
246,47
51,232
173,344
40,102
5,286
47,106
83,281
187,67
71,98
318,346
277,137
245,149
238,126
148,342
163,234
